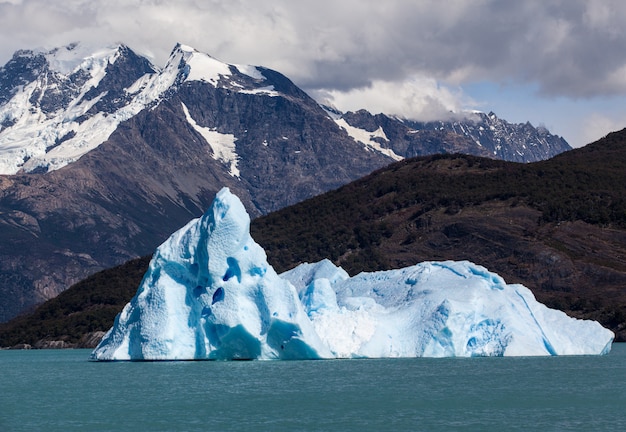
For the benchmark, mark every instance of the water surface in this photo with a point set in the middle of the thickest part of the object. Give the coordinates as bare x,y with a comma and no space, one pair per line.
52,390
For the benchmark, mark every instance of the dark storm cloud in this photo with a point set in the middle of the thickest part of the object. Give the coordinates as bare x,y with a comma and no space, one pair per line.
569,48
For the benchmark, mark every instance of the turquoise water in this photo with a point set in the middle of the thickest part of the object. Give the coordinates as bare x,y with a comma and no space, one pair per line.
62,391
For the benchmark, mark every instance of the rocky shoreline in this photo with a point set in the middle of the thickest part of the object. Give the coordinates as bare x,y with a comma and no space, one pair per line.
88,341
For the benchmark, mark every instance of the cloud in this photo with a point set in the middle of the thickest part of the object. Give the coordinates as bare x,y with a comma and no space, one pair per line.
417,98
598,125
569,48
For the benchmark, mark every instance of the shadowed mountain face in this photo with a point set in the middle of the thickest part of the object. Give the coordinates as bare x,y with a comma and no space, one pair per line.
104,155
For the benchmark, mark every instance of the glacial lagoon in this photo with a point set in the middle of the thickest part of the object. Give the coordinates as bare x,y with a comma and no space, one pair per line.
51,390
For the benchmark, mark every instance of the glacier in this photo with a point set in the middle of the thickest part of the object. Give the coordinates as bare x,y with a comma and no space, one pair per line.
210,294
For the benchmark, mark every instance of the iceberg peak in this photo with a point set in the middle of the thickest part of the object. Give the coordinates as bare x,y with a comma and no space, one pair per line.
209,293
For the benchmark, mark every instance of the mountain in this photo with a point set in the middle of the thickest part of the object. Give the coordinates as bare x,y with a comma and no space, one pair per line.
57,106
104,154
477,134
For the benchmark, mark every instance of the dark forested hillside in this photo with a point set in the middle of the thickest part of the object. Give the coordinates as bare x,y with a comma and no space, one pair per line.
88,307
558,226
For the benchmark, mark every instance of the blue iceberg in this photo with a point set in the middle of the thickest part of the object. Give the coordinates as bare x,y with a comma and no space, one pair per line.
210,293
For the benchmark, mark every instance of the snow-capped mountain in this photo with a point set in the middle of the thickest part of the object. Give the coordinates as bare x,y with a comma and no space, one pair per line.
475,133
103,155
520,142
59,105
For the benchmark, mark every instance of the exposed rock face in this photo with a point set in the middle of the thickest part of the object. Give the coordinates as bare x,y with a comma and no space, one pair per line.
53,344
478,134
91,340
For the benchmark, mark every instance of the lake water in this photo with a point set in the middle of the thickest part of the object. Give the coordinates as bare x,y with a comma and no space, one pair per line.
61,391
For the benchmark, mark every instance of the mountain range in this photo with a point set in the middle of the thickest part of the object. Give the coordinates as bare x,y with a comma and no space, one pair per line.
556,226
103,154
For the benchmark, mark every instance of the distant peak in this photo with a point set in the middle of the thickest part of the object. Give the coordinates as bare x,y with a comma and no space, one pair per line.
23,53
67,59
185,48
189,52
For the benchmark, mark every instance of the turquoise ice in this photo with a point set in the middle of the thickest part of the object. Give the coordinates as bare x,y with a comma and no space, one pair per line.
210,293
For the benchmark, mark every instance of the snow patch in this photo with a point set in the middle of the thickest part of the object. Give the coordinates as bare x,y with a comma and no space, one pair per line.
222,145
268,91
251,71
66,60
367,138
203,67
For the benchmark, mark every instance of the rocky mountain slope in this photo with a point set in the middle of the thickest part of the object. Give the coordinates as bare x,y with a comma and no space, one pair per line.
476,133
103,155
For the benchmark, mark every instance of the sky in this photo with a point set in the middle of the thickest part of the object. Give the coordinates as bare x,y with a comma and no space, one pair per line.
560,64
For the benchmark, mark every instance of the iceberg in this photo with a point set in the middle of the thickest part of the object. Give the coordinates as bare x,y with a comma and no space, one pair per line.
210,294
437,309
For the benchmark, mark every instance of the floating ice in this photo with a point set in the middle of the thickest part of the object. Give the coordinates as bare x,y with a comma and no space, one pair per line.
209,293
437,309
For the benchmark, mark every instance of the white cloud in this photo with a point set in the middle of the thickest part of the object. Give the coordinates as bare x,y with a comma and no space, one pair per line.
597,125
417,98
605,16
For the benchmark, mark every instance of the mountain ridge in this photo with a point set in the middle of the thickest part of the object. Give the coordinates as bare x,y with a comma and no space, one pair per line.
477,133
119,83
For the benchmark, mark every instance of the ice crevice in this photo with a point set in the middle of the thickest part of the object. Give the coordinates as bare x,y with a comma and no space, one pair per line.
546,342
